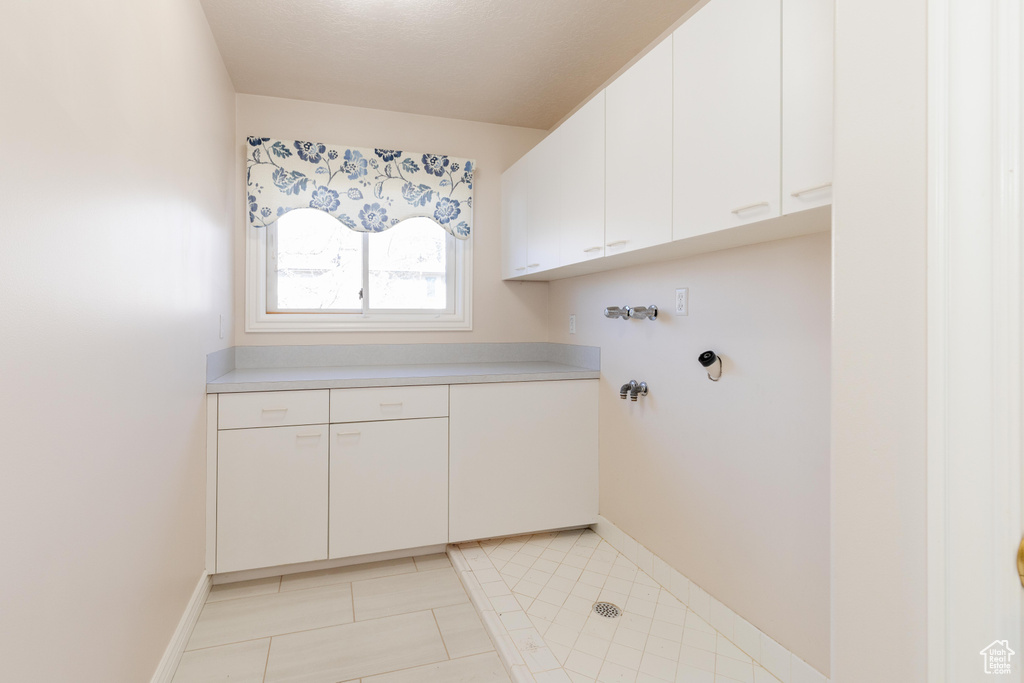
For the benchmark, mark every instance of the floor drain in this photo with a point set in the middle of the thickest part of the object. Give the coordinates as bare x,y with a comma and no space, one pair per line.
607,610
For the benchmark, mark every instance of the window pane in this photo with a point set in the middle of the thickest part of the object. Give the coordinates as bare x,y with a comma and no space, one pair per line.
319,262
407,266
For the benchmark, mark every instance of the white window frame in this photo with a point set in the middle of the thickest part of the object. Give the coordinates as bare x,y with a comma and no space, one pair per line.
257,319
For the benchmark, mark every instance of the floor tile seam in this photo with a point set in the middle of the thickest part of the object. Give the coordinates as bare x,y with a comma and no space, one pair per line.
440,635
321,628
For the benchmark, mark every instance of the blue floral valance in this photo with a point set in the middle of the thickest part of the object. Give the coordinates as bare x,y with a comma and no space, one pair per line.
368,190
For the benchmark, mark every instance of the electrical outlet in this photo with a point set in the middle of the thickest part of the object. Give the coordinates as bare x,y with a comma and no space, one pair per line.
572,324
683,301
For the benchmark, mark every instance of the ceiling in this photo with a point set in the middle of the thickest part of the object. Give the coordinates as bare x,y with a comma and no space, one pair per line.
515,62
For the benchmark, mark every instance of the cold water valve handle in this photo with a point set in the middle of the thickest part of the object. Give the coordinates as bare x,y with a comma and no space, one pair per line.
712,363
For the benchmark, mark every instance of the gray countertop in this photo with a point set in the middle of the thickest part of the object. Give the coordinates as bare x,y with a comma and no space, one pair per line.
276,379
282,368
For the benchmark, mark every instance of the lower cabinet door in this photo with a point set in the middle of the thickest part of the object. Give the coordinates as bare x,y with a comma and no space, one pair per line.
271,496
389,486
523,457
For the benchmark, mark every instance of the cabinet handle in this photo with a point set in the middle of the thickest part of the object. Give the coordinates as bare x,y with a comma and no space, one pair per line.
533,265
390,405
348,433
521,268
616,243
275,410
811,189
307,436
587,251
748,207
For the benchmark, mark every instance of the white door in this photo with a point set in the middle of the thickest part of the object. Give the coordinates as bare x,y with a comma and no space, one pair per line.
975,332
543,205
581,168
523,457
271,496
727,96
389,486
807,84
514,220
638,154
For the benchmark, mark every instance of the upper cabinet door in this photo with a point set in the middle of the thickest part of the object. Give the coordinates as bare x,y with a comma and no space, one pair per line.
581,168
543,204
513,220
727,128
638,167
807,30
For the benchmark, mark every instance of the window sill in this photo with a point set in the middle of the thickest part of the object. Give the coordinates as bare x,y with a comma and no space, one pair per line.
278,323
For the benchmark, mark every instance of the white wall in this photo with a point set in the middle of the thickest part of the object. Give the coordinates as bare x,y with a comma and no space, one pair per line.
502,311
116,129
879,603
727,481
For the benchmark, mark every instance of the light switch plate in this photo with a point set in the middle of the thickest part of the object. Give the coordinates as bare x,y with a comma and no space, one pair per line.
572,324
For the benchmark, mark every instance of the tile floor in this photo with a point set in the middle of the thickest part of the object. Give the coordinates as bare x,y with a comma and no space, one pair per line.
398,621
555,578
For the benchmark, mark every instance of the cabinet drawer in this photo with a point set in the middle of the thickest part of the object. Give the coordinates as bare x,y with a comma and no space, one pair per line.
388,403
272,409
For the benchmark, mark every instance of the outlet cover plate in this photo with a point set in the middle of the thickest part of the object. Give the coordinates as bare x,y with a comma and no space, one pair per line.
683,301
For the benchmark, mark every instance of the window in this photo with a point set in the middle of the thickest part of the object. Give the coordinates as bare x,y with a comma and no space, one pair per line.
316,274
352,238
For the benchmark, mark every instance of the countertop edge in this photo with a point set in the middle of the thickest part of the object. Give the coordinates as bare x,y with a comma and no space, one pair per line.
294,385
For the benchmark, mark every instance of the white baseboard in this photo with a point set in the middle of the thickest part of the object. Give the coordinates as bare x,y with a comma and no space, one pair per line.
172,655
764,650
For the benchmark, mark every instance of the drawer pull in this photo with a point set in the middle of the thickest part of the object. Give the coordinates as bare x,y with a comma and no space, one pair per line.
533,265
275,410
591,250
748,207
307,436
811,189
390,405
348,433
520,268
616,243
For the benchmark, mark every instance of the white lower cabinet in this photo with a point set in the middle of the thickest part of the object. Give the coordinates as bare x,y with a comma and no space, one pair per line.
271,496
523,457
389,486
401,468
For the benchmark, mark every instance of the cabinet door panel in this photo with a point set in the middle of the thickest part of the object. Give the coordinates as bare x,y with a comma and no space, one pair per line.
543,205
514,220
727,131
581,168
638,170
389,486
806,104
271,496
523,457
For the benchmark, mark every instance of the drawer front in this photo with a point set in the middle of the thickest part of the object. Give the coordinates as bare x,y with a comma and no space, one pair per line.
272,409
388,403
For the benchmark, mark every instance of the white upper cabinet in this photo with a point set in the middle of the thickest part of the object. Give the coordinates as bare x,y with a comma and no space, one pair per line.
638,154
726,123
513,219
807,29
543,211
581,169
727,101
